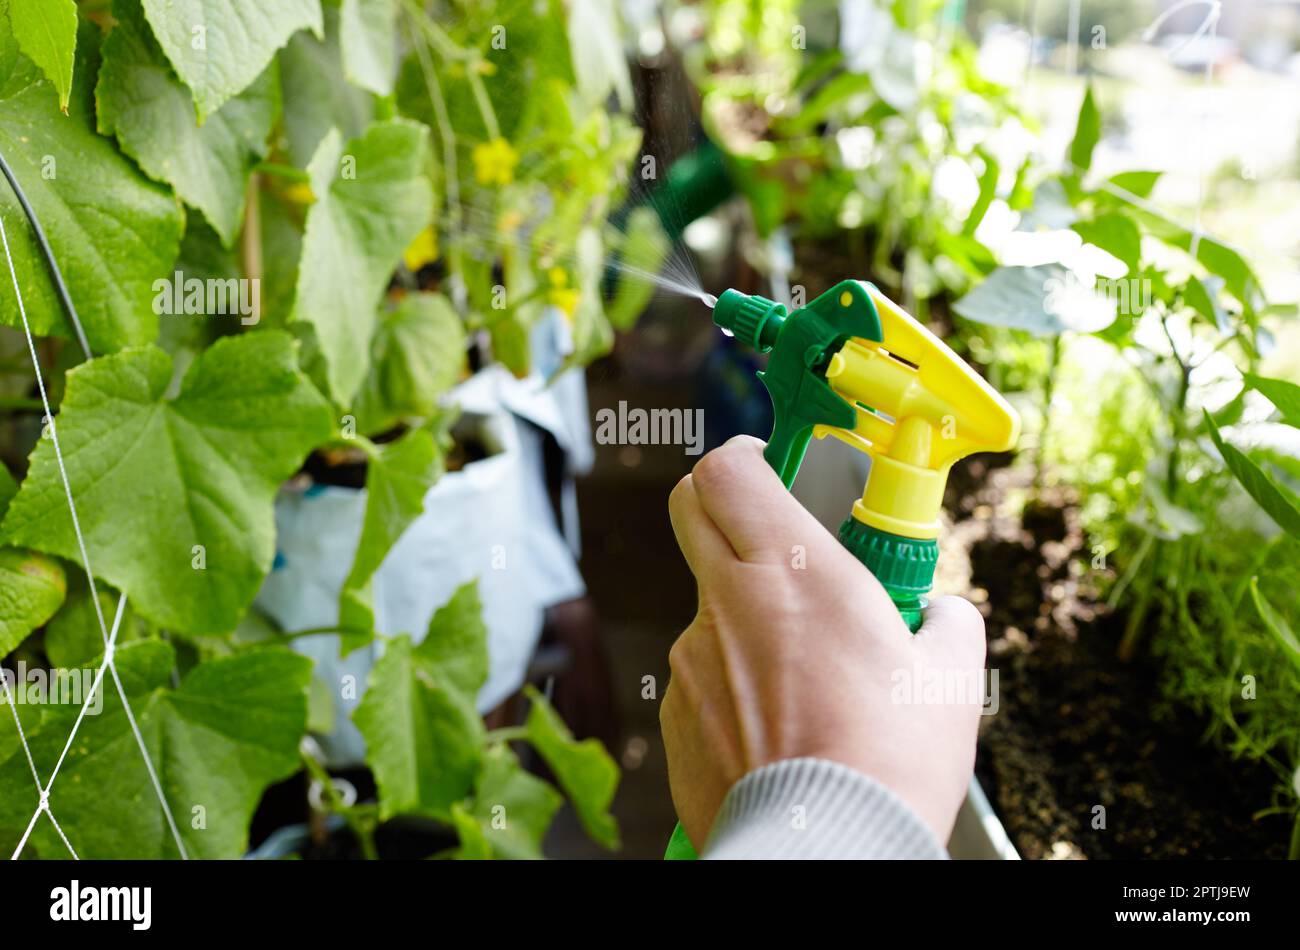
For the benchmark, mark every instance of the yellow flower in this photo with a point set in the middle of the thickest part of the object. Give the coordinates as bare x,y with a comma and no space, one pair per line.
561,295
494,162
423,250
300,193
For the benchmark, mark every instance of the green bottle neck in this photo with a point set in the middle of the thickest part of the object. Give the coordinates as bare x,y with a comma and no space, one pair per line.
904,566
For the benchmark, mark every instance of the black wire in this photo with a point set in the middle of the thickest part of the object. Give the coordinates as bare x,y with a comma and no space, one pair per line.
59,285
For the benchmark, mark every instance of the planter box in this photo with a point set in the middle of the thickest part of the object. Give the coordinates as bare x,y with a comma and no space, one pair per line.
978,834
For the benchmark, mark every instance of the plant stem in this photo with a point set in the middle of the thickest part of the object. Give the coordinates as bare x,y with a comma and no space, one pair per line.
506,734
1293,853
251,242
441,118
1176,420
318,631
1136,622
484,103
448,49
1121,586
360,825
1133,629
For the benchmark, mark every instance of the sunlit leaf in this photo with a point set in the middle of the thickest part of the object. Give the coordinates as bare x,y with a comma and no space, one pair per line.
1279,504
1281,393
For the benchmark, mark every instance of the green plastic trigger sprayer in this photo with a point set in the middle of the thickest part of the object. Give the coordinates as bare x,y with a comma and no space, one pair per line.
855,365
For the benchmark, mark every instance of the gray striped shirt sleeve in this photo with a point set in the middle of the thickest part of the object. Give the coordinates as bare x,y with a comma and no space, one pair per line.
815,808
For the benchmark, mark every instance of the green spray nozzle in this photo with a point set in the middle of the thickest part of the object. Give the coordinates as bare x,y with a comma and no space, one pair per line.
801,346
751,319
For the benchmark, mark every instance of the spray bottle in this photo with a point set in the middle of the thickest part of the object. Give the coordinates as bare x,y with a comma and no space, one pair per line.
854,365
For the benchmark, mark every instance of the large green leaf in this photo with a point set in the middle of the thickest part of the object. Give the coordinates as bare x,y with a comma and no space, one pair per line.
32,587
1045,299
112,230
1137,183
1116,234
1203,296
456,641
1280,504
175,495
368,29
202,258
316,96
73,637
398,477
416,354
230,730
1280,392
1215,256
16,70
46,31
512,809
584,769
423,736
150,111
218,47
474,845
372,199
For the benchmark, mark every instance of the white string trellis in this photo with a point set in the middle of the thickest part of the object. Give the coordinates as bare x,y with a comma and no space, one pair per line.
1209,25
109,638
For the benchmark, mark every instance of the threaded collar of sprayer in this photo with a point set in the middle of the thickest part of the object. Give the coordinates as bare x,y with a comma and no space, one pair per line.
752,319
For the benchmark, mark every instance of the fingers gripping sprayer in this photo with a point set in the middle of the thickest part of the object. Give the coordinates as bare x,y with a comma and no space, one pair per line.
854,365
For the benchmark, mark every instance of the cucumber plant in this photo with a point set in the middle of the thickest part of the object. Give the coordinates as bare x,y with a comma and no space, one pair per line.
279,226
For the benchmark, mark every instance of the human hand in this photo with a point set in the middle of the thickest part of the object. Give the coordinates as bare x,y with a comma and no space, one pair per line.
796,650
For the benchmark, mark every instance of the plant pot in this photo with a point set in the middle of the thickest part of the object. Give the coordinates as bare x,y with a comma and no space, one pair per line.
488,521
978,834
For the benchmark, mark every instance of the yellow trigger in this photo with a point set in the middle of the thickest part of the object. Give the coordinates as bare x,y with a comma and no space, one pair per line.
919,408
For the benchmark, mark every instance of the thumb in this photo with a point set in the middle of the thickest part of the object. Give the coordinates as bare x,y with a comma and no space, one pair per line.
760,519
954,630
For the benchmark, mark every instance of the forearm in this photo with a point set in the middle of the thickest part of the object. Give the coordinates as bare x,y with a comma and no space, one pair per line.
815,808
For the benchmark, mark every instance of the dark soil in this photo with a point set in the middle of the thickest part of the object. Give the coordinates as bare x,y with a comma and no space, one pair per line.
347,468
1076,730
397,840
